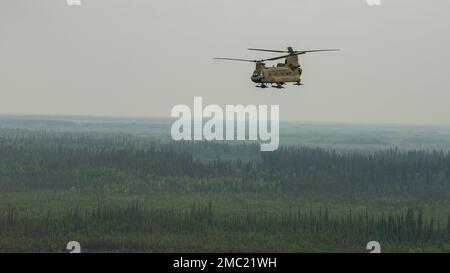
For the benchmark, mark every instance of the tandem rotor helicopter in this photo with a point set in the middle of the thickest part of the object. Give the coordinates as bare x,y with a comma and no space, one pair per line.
279,75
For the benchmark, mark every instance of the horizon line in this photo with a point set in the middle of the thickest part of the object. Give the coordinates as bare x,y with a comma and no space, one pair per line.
88,116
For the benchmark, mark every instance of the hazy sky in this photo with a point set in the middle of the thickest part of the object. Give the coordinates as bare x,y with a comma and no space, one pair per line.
141,57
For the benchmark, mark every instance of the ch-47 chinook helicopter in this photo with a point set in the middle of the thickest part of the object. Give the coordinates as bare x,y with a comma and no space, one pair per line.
279,75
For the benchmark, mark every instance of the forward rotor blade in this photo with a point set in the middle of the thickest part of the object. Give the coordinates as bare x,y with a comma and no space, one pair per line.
269,50
240,60
277,58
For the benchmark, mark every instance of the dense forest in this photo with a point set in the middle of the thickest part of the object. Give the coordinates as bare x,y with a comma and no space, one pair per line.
60,162
40,170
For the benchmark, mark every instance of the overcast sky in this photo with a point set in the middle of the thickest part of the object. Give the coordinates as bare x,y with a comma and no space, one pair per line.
141,57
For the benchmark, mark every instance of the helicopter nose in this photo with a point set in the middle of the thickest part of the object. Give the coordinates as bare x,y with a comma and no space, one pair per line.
256,79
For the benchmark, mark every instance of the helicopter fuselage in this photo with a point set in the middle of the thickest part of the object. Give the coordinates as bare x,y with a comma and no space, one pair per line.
289,71
279,74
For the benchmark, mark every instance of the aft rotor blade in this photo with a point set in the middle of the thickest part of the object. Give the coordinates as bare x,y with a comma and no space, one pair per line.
240,60
298,53
317,50
268,50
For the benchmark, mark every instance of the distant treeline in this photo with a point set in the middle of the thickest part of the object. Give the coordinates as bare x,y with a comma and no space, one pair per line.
133,164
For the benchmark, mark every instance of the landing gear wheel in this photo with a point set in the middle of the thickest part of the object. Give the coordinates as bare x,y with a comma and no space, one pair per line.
278,86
